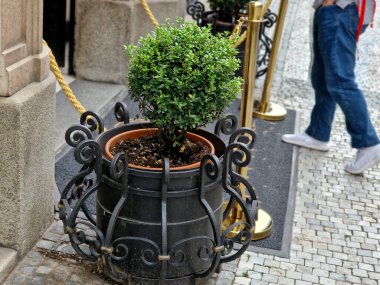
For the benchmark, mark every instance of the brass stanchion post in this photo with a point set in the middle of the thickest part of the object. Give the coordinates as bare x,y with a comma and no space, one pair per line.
264,222
266,110
266,7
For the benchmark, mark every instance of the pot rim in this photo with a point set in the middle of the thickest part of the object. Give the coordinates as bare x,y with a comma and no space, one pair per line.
135,134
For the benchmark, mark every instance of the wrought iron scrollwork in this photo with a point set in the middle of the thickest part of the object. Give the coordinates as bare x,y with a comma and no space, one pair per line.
211,169
75,134
226,125
92,121
87,153
75,194
164,220
121,112
266,42
96,242
196,10
238,155
245,136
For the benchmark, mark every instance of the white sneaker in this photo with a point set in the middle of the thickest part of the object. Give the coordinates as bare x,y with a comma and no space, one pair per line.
365,158
307,141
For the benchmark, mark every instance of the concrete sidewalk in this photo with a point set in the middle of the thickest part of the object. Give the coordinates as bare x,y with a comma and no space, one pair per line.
336,230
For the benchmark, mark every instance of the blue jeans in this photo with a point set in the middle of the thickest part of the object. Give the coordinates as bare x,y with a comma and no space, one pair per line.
333,77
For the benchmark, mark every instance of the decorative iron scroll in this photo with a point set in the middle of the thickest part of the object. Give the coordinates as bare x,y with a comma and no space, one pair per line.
197,11
265,45
121,112
94,244
92,121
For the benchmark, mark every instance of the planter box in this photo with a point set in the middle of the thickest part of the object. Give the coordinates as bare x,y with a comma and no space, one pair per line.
158,226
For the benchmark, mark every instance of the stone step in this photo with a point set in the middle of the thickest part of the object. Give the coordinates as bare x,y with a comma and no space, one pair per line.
98,97
8,260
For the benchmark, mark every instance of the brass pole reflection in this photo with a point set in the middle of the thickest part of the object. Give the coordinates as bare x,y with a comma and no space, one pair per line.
266,110
255,12
249,74
250,62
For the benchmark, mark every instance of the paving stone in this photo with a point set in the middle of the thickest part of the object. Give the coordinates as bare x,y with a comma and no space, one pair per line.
45,244
300,282
43,270
360,272
326,281
37,280
16,279
321,272
222,281
51,236
271,278
310,277
254,282
366,281
226,275
242,281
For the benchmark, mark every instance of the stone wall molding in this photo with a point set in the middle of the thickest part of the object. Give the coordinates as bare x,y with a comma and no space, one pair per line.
23,58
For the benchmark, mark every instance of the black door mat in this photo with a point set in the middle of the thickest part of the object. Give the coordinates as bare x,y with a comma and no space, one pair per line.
273,173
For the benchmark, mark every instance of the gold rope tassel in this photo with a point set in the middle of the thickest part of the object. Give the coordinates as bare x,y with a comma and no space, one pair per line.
65,87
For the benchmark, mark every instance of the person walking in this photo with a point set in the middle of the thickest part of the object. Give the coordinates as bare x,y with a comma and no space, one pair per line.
337,26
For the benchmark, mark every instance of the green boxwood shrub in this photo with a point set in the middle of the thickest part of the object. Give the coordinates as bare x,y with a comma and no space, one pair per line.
183,77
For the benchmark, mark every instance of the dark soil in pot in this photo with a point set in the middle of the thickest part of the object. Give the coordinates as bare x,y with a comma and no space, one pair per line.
150,150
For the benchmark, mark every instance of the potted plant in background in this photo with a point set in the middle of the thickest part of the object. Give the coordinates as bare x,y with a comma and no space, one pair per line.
223,16
157,221
226,12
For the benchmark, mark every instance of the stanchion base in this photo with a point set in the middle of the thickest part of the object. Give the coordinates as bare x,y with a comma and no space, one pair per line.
264,225
263,228
274,112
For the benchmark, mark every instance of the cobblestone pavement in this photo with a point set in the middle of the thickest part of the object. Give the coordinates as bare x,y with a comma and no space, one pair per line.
336,226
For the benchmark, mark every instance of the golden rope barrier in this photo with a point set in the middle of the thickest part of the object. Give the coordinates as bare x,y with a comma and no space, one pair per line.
65,87
240,40
149,12
237,30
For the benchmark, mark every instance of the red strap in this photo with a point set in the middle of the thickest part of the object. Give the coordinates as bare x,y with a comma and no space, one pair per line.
361,17
373,12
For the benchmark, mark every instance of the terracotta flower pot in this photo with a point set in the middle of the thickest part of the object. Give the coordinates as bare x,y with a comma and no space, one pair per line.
145,132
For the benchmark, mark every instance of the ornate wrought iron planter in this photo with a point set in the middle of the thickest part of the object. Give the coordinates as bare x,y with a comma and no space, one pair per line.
158,227
196,10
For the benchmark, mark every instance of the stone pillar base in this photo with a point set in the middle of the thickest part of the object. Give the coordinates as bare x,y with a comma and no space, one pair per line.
27,137
8,260
104,26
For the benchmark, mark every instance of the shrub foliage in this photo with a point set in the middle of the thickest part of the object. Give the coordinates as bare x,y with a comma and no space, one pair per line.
183,77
